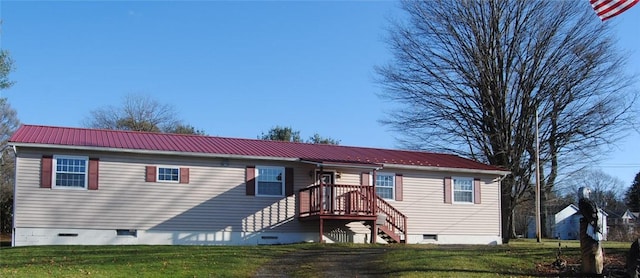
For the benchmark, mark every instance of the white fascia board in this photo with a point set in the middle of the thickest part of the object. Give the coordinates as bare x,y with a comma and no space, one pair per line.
152,152
447,169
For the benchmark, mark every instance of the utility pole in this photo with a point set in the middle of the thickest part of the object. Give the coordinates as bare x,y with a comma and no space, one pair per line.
538,228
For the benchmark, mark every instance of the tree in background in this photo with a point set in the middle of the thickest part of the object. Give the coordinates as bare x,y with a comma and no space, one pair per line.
632,196
8,124
6,66
140,113
287,134
471,76
281,133
318,139
606,190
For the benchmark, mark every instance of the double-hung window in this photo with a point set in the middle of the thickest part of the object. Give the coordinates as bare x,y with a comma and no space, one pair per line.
463,190
269,181
169,174
385,185
70,171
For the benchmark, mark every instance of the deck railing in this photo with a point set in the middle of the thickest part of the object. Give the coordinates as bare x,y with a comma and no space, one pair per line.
352,200
337,199
396,221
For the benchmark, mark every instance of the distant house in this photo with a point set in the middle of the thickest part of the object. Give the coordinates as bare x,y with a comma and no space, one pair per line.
565,224
88,186
624,222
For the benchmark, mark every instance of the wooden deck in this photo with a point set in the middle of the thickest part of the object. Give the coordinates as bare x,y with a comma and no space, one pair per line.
352,202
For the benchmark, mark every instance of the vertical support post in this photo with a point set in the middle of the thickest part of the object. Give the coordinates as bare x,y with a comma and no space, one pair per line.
538,224
323,203
374,207
374,232
374,196
321,238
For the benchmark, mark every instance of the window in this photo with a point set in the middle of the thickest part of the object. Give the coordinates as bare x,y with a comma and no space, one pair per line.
171,174
70,172
269,181
385,185
462,190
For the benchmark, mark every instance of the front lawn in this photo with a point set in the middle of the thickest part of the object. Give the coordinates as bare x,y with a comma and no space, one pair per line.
520,258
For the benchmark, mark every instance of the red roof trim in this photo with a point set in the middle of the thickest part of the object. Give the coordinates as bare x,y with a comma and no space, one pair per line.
197,144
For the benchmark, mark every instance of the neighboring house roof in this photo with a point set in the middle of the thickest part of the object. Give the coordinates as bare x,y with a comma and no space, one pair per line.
575,210
197,145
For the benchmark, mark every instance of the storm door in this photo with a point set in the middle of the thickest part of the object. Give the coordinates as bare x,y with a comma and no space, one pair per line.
327,179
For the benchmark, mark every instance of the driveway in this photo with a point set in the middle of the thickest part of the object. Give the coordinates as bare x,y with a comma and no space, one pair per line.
329,263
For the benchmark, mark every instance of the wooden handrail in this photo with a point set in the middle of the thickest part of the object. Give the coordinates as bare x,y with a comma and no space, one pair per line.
396,221
351,200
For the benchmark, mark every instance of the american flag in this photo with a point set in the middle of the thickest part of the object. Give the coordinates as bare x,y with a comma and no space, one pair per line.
607,9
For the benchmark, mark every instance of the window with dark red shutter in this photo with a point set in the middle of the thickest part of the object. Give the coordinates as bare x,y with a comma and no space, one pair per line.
250,180
93,173
46,168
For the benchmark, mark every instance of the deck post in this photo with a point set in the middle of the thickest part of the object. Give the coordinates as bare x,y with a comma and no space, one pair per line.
374,207
321,238
374,232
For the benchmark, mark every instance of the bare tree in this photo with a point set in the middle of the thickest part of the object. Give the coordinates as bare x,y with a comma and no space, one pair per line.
606,190
139,113
472,75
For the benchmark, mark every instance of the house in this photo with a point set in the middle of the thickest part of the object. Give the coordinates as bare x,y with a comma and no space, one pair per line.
89,186
623,223
566,223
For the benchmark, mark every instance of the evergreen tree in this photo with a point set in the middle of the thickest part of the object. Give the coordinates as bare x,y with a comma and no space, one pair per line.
632,197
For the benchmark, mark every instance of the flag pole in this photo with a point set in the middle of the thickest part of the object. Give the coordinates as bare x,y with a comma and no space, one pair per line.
538,228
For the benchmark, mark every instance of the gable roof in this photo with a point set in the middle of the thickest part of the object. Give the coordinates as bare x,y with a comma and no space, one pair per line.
197,145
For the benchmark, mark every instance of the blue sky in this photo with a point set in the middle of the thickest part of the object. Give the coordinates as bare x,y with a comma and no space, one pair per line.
233,69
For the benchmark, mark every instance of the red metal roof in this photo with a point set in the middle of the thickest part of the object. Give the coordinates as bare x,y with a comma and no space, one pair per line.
166,142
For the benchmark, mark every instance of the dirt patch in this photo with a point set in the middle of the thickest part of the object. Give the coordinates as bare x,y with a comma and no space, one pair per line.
354,262
614,266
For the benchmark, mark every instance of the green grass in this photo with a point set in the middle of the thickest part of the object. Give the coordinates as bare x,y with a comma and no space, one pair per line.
515,259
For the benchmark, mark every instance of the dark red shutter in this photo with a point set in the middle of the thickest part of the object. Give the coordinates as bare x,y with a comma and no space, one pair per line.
288,181
46,166
398,187
476,191
151,174
250,180
364,178
447,190
184,175
93,173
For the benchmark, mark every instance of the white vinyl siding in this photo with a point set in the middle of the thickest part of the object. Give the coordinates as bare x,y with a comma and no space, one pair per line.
428,214
70,172
215,199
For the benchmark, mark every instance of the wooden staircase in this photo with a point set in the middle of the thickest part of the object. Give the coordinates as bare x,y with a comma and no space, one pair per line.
391,223
356,203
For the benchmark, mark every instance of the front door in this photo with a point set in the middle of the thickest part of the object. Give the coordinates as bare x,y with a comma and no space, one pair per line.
326,178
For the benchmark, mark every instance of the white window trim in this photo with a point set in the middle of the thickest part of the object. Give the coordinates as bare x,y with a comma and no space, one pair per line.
257,194
167,167
393,178
453,190
54,171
